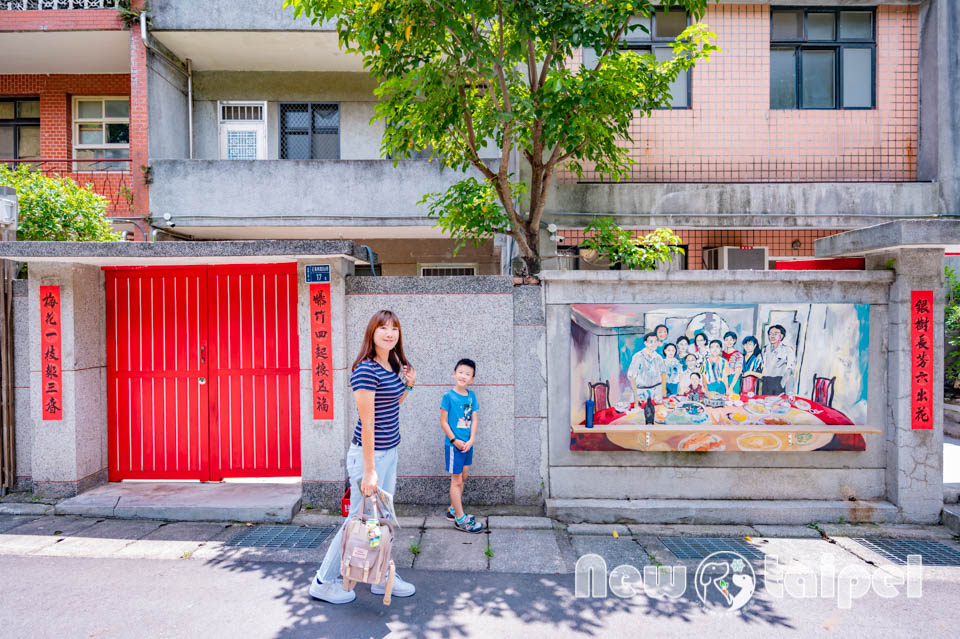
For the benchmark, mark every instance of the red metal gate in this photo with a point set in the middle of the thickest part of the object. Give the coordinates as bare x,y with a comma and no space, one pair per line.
203,384
255,371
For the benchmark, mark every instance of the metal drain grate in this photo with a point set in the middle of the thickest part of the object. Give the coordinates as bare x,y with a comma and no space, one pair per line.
896,550
701,547
281,537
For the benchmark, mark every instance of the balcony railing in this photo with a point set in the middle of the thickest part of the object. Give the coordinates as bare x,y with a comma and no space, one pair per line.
53,5
107,177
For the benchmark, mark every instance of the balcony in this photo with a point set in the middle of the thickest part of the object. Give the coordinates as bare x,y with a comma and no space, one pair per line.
318,199
108,178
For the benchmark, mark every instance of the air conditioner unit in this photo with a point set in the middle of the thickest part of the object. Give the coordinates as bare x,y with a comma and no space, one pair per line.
732,258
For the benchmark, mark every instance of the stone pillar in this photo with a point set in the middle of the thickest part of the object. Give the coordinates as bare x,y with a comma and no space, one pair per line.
530,395
323,442
914,466
70,455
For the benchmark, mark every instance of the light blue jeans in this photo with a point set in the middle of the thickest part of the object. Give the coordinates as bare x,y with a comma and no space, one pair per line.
385,463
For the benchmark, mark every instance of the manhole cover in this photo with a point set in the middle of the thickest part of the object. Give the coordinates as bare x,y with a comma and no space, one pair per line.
896,550
701,547
281,537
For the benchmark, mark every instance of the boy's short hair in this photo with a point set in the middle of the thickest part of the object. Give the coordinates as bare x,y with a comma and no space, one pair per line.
467,362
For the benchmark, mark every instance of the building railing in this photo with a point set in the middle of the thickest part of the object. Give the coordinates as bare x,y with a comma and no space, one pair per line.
53,5
109,178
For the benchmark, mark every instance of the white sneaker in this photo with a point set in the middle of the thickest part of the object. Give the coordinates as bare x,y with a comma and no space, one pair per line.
401,588
331,592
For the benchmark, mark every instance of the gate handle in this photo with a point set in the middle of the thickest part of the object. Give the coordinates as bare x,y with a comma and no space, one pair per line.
203,357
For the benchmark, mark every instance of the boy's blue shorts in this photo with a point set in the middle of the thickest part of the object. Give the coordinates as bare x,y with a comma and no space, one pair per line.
454,459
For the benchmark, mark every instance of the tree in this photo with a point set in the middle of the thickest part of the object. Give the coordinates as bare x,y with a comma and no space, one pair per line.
618,246
57,208
457,75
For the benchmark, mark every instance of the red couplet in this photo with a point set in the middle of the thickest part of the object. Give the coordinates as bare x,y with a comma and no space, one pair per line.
921,360
321,351
51,355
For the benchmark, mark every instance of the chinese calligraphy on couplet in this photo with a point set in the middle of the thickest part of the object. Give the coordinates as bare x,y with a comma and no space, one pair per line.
51,366
921,360
321,347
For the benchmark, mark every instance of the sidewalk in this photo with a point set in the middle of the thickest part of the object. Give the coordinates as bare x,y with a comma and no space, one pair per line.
510,543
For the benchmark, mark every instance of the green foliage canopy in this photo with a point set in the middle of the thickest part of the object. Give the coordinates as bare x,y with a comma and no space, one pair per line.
456,76
57,208
619,247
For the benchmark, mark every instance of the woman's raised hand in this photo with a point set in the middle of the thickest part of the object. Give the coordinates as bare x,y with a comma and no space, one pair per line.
409,376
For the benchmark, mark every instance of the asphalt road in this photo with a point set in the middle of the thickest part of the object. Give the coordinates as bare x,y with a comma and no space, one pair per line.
104,598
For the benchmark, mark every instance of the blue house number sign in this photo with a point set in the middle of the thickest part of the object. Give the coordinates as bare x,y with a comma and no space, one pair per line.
317,273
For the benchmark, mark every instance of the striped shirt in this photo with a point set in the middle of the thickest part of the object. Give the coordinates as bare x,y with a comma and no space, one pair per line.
388,388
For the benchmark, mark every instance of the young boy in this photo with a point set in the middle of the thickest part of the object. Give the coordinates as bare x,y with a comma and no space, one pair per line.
458,419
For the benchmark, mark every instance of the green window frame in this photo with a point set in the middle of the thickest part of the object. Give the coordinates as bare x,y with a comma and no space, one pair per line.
818,56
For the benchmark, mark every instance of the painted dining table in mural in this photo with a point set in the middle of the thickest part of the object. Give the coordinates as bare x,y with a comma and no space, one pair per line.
752,378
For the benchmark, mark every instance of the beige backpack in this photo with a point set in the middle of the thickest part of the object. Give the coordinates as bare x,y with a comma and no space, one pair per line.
362,559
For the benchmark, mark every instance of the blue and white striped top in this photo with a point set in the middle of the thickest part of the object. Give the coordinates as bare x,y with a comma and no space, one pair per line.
388,388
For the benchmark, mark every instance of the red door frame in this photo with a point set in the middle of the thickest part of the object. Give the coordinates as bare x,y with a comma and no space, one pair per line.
211,359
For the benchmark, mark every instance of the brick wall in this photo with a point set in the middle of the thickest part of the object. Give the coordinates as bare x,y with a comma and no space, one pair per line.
778,241
730,134
62,20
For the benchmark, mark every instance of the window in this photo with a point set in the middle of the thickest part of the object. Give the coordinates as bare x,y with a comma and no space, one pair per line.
101,131
442,270
243,130
19,129
310,131
822,59
656,35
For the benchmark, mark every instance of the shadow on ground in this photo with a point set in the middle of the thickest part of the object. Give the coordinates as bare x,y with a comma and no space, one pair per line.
453,605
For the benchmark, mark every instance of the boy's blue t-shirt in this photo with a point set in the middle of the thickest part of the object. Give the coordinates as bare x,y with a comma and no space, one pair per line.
460,410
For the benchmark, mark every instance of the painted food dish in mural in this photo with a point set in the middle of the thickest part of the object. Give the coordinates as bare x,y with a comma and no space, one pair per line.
701,443
758,441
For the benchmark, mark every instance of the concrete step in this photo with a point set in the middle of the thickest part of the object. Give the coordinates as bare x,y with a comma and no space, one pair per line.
255,502
716,511
950,517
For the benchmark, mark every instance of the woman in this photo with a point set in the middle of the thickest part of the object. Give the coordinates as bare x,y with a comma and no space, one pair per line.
716,370
700,348
673,366
735,358
752,365
381,379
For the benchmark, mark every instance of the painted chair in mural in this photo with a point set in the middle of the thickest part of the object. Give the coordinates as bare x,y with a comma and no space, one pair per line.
600,393
823,390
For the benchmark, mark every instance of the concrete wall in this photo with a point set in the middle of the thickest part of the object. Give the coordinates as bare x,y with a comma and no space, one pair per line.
444,319
167,100
948,105
359,140
295,192
822,205
897,465
234,15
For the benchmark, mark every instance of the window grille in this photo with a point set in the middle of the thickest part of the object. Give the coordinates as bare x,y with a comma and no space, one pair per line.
241,113
444,270
310,131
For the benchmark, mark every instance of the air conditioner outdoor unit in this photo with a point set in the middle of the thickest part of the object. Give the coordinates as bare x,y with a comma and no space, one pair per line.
731,258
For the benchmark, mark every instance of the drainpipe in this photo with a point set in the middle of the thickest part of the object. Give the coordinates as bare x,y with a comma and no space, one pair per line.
373,271
190,105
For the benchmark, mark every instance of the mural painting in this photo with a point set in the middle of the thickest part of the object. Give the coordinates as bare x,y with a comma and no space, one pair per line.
755,377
